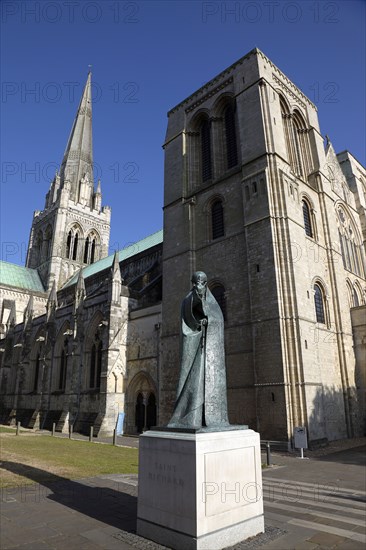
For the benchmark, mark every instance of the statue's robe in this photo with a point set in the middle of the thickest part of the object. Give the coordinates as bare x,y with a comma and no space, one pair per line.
201,396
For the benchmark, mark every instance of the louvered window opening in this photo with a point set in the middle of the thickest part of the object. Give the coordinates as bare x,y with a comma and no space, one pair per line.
206,151
231,147
217,213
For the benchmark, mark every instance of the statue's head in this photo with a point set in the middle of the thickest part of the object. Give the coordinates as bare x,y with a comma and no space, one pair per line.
199,280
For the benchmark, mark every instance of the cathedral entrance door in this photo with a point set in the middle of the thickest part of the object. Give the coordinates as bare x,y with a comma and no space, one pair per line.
139,413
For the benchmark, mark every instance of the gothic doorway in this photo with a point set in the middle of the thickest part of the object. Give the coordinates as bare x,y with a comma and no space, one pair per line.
145,412
151,411
139,413
141,404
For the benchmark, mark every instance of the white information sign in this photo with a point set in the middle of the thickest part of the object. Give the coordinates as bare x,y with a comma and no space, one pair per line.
300,438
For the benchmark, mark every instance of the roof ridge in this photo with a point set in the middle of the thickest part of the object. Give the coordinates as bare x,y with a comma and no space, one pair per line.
143,238
17,265
20,276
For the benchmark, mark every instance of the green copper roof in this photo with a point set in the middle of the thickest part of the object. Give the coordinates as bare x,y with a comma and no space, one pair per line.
20,277
132,250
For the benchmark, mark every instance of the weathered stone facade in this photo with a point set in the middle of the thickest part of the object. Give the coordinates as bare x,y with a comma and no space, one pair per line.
92,354
80,327
253,199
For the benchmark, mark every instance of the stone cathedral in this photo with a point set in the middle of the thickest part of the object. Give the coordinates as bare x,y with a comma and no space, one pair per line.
255,197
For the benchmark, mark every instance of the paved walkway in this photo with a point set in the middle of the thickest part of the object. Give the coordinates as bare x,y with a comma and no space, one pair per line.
309,504
320,502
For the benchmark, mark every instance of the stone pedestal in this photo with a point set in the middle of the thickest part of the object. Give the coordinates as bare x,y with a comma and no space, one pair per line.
200,490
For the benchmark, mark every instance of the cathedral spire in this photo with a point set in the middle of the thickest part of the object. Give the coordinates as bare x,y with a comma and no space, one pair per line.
77,163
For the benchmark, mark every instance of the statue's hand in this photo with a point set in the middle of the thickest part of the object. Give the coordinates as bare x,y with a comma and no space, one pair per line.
204,322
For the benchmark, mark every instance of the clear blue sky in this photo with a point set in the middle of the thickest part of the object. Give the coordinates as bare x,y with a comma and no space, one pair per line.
146,57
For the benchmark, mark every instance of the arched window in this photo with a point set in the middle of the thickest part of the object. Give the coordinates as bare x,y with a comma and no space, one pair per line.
37,367
72,243
63,368
217,219
39,245
86,250
356,301
350,243
90,249
95,370
206,163
349,293
230,135
297,141
48,242
75,250
92,252
218,292
92,366
297,129
68,245
319,304
307,219
287,130
99,363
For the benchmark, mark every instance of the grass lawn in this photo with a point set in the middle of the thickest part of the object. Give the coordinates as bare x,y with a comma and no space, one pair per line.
33,458
5,430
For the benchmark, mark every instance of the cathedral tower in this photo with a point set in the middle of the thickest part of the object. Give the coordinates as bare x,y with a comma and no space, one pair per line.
73,229
254,200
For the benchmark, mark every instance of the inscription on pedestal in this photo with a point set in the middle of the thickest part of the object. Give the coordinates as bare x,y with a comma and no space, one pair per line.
170,482
165,473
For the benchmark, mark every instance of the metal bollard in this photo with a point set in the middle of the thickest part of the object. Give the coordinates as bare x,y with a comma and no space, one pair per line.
91,433
53,428
115,437
268,449
18,428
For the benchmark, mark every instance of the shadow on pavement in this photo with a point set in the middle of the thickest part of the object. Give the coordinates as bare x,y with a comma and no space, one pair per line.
356,456
115,505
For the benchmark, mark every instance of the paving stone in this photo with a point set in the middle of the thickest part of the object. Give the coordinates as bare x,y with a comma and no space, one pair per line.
24,536
350,545
67,519
5,542
326,539
360,528
38,545
76,542
103,537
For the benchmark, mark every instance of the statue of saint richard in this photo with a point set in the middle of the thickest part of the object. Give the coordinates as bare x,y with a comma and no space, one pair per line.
201,397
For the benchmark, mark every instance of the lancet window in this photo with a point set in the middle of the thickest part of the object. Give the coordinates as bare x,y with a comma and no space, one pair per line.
350,243
72,243
217,219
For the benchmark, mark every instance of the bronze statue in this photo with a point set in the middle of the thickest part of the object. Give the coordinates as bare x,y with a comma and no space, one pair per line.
201,397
